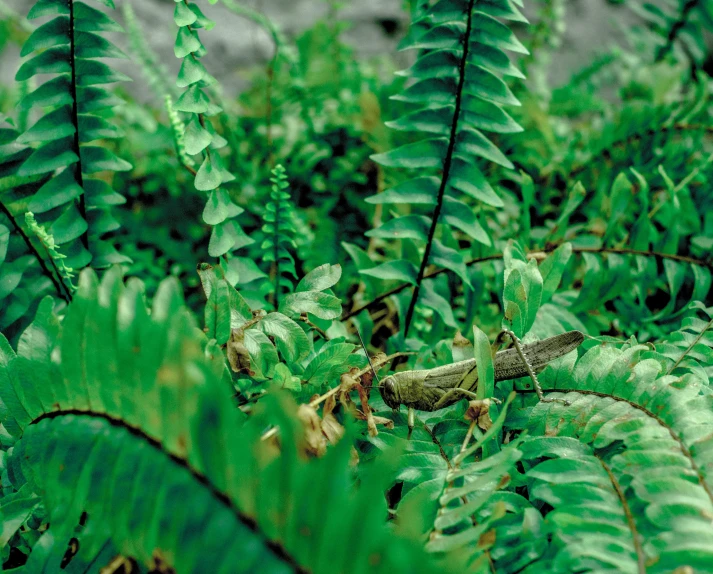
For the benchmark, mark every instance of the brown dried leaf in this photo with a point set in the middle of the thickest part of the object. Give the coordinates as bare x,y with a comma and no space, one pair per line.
315,444
479,411
238,355
460,341
331,429
329,405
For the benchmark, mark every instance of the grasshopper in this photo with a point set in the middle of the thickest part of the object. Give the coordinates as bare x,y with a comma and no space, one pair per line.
434,389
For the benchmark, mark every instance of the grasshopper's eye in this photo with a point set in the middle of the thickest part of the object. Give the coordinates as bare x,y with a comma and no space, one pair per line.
389,392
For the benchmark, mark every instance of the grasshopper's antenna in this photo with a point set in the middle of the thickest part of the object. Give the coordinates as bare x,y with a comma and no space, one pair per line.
368,358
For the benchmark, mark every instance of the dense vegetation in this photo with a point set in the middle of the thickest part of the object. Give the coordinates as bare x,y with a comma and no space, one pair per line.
184,283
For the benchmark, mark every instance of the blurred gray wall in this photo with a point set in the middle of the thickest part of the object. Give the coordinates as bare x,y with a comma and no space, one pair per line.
376,25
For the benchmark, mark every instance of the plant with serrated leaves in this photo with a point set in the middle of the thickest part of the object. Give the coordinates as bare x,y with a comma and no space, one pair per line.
457,81
279,230
65,156
111,408
200,136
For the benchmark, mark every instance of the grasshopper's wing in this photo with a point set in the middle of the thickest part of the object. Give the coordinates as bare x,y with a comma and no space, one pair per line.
509,365
448,376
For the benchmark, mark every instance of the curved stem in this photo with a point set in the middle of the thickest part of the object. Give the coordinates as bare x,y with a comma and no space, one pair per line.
675,29
536,254
447,163
59,285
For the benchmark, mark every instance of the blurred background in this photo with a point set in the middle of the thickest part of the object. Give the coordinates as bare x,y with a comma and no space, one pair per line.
372,28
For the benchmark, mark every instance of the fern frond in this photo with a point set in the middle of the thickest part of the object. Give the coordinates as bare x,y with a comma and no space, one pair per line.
200,136
458,78
26,273
691,348
178,130
84,443
280,231
75,205
647,461
48,242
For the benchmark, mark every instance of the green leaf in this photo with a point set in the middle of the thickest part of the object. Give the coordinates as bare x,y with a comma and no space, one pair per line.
53,155
552,270
322,305
292,341
263,355
328,364
423,154
208,177
191,72
219,207
187,42
183,15
321,278
405,227
399,270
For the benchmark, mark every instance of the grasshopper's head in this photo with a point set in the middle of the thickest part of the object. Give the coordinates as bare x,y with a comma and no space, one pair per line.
390,392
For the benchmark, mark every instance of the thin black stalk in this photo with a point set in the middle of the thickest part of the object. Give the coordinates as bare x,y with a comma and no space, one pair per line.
446,171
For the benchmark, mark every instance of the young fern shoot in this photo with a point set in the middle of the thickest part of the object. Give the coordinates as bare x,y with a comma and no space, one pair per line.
280,231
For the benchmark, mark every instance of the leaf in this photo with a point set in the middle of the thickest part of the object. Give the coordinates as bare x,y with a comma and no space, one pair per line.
329,364
263,355
552,269
319,304
292,341
399,270
321,278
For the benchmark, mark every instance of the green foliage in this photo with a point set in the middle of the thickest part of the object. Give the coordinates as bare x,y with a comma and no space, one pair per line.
218,363
76,206
458,78
279,232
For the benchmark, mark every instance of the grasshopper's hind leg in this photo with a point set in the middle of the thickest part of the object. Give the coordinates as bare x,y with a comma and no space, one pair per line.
410,421
530,370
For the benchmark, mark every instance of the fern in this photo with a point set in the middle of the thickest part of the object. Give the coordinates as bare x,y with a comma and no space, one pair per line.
459,73
200,137
678,21
76,206
279,230
26,272
262,512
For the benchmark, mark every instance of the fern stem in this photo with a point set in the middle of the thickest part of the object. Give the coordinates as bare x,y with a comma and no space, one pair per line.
708,263
672,433
60,287
690,347
446,169
640,556
675,29
84,238
277,549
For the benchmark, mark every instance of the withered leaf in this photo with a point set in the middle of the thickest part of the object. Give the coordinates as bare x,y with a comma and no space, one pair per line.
479,411
238,355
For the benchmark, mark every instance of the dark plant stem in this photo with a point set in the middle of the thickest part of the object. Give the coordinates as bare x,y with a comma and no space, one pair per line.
84,238
708,263
62,291
675,29
446,171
